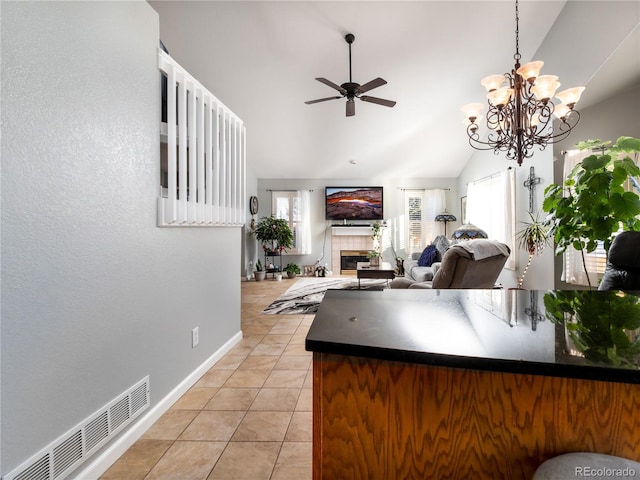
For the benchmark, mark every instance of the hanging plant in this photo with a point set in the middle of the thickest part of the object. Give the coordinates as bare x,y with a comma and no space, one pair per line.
533,238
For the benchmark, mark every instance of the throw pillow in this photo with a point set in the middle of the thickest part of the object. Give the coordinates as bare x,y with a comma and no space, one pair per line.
428,256
442,244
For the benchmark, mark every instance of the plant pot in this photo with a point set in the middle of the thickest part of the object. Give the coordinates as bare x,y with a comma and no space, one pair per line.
291,274
374,261
259,275
278,276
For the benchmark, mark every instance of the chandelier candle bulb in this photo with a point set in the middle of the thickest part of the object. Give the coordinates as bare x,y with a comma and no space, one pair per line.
570,96
492,82
529,71
545,87
500,97
472,111
561,111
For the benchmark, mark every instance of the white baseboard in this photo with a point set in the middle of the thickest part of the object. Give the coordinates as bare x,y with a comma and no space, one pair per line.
113,452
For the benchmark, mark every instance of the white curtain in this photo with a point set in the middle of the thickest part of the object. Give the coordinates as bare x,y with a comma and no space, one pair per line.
420,227
491,205
304,222
435,202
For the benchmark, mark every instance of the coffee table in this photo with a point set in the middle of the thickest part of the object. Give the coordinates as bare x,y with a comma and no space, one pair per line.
384,270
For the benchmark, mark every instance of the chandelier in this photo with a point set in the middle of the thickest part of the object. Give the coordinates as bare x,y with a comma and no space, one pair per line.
521,110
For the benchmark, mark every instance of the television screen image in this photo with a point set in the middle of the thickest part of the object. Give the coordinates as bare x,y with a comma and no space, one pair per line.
354,203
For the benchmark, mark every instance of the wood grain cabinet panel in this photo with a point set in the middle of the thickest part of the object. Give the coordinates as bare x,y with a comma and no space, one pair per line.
376,419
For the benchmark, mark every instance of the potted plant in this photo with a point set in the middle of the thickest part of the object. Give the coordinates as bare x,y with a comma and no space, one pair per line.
376,235
591,205
374,258
274,234
292,270
533,238
259,273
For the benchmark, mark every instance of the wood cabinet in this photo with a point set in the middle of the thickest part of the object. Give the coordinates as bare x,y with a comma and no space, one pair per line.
378,419
466,384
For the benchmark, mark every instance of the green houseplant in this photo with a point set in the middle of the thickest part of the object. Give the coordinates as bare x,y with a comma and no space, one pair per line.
592,204
602,327
533,238
259,273
274,234
376,235
292,270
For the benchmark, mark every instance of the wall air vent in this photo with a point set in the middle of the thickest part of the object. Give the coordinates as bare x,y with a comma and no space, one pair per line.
65,454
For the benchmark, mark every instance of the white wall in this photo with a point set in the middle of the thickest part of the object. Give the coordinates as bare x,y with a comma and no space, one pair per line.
608,120
94,295
393,209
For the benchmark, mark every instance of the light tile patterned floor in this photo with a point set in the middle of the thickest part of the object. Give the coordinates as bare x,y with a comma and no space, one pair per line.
248,417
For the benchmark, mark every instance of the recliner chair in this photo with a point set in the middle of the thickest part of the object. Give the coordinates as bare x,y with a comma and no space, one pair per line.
470,264
623,266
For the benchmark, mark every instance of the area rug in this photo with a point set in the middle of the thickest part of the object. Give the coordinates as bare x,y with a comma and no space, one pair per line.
304,296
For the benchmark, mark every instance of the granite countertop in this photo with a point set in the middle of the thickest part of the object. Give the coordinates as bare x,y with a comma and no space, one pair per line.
516,331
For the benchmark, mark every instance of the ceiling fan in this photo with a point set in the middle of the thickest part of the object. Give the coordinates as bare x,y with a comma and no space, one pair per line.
353,90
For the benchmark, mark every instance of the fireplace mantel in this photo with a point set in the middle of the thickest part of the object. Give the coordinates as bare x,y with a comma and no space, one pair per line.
364,230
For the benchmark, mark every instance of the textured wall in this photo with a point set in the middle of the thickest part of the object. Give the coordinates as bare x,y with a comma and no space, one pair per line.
94,295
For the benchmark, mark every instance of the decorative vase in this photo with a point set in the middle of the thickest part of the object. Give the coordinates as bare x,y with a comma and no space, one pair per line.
374,261
259,275
278,276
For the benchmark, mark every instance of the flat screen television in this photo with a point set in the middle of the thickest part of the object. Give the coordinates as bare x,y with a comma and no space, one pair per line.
353,203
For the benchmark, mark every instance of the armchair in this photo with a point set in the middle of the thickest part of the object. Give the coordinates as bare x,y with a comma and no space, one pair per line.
623,266
469,264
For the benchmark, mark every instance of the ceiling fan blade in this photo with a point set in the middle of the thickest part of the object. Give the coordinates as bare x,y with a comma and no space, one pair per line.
351,108
375,83
329,83
321,100
379,101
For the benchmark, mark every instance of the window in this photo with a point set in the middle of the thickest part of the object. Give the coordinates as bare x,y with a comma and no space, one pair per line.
596,261
293,206
420,209
491,205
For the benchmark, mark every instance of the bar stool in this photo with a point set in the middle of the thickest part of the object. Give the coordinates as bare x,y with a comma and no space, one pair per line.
587,465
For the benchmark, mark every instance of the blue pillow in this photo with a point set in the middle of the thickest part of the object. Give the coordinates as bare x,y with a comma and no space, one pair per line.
428,256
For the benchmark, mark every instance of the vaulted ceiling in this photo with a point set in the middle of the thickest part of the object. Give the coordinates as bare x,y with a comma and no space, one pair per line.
261,58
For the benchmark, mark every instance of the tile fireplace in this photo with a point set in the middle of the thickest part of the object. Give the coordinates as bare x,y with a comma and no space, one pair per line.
351,242
349,259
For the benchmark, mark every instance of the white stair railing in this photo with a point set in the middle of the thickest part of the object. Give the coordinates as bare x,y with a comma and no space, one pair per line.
206,155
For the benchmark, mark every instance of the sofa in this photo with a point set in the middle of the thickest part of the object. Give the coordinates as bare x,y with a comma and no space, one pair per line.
468,264
416,273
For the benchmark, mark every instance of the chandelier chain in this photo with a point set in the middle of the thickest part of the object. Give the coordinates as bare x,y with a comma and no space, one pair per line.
517,54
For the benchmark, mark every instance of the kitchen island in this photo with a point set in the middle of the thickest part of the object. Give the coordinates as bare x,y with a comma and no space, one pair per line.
459,384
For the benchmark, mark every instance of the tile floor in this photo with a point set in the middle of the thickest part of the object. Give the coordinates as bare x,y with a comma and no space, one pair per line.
248,417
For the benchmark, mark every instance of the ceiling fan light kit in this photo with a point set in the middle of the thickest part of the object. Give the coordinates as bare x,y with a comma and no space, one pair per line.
352,90
520,114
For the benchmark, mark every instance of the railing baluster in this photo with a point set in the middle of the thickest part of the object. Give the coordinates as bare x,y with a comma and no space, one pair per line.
206,145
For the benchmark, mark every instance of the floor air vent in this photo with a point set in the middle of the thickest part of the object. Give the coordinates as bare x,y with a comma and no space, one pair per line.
68,452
